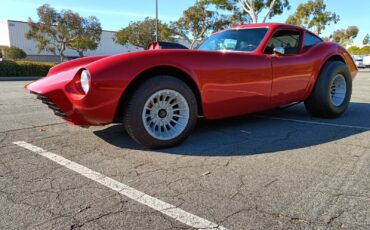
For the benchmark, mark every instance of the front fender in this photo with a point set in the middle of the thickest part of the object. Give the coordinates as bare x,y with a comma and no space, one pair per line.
76,63
114,74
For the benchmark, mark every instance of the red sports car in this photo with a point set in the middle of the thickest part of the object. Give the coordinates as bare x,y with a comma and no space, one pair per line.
158,94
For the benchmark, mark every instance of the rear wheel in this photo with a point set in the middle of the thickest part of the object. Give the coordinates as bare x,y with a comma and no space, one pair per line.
332,92
161,112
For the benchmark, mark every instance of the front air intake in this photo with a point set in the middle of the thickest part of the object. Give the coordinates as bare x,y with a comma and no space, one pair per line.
57,111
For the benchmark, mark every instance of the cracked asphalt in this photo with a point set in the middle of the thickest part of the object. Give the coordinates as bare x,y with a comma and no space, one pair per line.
250,172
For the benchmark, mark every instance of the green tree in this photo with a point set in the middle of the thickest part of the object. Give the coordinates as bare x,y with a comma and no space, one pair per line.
141,33
197,22
89,36
55,31
253,8
366,39
345,36
326,39
236,15
365,50
14,53
313,15
354,50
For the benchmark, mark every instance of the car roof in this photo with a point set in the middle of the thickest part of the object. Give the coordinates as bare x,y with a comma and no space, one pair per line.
269,25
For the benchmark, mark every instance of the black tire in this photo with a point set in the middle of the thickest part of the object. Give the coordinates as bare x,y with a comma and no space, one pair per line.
319,103
132,114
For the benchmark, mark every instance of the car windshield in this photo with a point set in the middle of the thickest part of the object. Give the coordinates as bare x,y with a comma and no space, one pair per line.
235,40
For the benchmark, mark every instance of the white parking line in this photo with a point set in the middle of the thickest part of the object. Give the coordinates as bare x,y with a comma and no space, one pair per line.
312,122
152,202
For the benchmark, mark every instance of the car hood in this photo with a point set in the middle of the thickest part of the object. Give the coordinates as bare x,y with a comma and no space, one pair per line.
138,56
76,63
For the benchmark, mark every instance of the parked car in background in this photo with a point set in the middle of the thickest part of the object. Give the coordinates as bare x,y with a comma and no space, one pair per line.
359,61
366,61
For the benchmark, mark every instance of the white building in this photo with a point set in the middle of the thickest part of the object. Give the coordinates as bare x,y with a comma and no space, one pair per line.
12,33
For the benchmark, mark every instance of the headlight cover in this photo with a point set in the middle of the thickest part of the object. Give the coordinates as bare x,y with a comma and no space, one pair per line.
85,81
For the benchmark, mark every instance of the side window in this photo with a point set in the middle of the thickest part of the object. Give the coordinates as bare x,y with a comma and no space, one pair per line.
310,40
288,39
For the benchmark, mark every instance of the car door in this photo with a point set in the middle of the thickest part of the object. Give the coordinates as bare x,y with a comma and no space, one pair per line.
291,70
234,83
234,80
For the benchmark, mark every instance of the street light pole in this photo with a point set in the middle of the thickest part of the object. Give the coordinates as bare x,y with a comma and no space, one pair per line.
156,20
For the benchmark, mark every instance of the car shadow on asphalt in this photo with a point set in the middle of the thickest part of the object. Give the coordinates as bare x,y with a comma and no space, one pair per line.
256,134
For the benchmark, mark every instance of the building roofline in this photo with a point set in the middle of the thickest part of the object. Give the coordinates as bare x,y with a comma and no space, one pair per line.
8,20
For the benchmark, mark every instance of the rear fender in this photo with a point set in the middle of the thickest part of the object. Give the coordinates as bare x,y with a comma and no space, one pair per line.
336,52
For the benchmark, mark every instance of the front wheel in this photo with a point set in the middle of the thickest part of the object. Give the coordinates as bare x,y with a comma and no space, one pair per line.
161,112
332,92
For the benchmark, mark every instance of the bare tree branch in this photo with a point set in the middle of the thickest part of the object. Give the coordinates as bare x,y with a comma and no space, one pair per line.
271,7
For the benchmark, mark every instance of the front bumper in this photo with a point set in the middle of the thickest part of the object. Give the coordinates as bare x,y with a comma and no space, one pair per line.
59,93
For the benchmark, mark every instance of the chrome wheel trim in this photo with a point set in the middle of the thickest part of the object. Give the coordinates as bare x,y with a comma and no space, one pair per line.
165,114
338,90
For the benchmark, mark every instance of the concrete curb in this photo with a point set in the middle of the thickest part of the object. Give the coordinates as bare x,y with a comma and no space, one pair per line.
23,78
364,70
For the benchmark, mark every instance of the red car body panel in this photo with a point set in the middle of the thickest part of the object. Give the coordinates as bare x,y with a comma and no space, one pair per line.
229,83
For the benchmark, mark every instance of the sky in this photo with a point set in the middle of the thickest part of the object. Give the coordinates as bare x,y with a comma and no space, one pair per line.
115,14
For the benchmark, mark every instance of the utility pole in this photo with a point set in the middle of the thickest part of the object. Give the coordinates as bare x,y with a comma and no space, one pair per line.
156,21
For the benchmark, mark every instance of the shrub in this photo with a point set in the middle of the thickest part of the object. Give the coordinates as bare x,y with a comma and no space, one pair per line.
354,50
365,50
24,68
14,53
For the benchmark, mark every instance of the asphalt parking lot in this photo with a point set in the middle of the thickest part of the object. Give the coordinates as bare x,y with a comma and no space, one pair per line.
273,170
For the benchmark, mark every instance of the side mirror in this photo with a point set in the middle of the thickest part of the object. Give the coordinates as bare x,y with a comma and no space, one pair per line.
279,50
